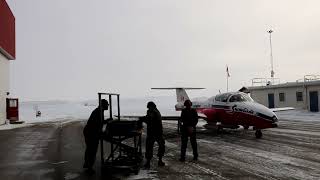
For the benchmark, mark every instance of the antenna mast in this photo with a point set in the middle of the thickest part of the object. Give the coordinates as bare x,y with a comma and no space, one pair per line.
271,56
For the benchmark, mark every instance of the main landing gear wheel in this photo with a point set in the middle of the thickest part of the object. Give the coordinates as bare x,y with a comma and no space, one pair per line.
219,129
258,134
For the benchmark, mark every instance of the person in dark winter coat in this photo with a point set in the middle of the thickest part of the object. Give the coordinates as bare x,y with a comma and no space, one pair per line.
92,134
189,120
154,133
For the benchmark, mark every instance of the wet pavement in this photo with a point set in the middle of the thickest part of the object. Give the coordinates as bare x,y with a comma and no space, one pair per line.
55,151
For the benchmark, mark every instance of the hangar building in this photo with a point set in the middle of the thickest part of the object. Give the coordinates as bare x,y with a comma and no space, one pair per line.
7,53
302,94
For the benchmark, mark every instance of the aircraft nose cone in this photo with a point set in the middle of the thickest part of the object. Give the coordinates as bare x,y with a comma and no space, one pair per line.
274,119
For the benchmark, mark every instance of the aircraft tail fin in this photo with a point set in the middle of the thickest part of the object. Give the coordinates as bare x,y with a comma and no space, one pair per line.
181,95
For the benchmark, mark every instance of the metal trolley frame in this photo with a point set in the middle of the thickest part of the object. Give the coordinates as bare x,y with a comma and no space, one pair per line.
124,138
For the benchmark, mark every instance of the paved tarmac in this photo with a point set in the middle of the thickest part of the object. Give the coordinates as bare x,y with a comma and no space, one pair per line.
44,151
55,151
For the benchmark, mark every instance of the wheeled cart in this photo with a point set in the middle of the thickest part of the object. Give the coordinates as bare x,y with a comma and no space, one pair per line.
124,138
125,146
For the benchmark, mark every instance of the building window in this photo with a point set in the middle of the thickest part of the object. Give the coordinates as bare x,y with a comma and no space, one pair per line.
282,97
13,103
299,96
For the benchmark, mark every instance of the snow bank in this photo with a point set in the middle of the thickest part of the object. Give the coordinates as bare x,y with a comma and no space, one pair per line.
299,115
13,126
53,111
57,111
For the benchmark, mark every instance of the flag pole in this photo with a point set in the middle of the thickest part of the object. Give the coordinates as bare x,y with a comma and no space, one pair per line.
271,56
227,83
228,75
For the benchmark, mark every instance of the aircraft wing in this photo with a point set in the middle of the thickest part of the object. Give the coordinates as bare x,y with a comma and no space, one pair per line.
134,117
282,109
166,118
176,118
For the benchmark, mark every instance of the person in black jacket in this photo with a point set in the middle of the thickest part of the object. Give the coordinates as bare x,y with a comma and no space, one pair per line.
92,134
154,133
189,120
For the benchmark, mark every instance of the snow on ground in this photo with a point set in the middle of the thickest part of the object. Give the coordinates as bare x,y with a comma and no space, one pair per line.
299,115
61,111
54,111
145,174
58,111
13,126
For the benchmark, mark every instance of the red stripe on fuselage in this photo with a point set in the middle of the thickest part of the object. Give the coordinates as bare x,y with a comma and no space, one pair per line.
227,117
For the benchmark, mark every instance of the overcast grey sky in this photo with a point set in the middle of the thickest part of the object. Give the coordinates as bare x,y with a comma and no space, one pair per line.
70,49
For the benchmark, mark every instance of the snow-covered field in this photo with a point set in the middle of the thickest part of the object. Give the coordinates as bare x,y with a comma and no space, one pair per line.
62,110
56,111
299,115
53,111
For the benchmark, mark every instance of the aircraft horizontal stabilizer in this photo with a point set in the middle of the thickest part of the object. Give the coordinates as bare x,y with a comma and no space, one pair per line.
135,117
167,118
176,88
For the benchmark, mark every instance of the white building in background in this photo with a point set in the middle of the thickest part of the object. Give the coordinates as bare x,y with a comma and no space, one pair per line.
7,53
300,94
4,86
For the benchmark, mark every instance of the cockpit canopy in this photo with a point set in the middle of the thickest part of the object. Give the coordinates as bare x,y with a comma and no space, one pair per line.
233,97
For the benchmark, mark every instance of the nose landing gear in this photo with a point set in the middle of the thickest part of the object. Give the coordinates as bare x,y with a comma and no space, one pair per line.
258,134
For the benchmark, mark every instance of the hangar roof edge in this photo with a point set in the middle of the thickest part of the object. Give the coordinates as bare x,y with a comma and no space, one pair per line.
285,85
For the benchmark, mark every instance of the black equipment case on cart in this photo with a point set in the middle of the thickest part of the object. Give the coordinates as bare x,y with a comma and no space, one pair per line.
124,138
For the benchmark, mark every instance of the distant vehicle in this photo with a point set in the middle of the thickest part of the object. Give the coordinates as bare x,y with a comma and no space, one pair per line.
36,109
229,110
38,114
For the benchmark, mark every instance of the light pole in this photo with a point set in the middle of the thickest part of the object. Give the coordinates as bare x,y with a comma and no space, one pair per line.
271,57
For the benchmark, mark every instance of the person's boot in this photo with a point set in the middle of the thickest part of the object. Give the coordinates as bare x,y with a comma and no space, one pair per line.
90,171
147,164
161,163
195,158
85,165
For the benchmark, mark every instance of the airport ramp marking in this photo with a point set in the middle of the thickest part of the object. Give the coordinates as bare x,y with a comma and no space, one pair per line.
60,162
206,170
296,132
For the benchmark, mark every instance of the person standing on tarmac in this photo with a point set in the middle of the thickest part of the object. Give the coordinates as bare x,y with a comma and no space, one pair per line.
189,120
92,134
154,133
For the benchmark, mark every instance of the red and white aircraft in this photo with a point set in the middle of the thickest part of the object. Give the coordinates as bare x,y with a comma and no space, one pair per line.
229,110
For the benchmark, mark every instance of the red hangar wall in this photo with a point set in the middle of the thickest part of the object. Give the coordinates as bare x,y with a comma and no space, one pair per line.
7,53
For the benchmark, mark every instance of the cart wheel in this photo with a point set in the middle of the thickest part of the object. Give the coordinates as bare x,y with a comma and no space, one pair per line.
105,172
136,172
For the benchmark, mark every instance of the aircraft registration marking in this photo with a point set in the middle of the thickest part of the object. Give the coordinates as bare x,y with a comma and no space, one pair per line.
244,110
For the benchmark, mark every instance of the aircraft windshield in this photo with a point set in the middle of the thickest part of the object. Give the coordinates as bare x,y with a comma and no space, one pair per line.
237,98
247,97
223,97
